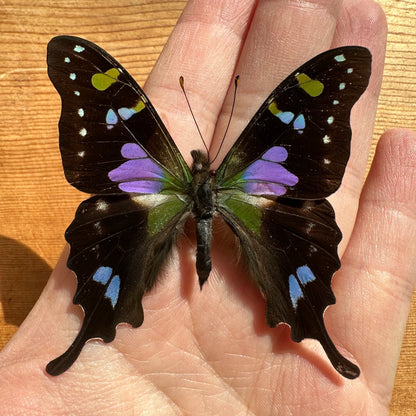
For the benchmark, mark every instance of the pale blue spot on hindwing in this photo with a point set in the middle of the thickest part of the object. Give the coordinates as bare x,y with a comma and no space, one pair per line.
350,70
113,290
102,275
342,86
294,290
304,276
67,60
72,76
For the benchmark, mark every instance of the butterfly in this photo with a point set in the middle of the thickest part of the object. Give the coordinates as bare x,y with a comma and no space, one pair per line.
270,190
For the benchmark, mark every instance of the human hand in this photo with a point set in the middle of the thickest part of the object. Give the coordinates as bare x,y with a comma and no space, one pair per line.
211,352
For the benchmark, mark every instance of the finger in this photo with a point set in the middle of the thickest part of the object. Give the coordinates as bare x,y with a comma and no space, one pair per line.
360,23
380,262
282,36
204,48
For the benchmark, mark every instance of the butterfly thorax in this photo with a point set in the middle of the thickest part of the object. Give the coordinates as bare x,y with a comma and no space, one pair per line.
203,195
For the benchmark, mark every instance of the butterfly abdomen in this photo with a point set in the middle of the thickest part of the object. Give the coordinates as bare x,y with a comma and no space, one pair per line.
203,209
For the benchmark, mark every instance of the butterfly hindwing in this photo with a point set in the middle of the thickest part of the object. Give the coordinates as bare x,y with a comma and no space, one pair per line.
290,248
272,183
118,245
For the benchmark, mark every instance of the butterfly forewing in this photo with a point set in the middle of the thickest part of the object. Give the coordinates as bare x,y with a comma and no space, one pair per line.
105,113
305,123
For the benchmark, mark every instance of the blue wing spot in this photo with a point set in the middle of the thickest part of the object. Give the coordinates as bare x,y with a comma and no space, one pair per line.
102,275
285,116
111,118
350,70
335,102
299,123
67,60
113,290
73,76
342,86
81,112
330,120
125,113
294,290
305,274
77,93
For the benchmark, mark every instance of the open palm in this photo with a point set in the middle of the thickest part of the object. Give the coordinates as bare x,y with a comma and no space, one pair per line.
211,352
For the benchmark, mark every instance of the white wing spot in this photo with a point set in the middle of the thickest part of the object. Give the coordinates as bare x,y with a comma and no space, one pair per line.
83,132
81,112
77,93
342,86
335,102
350,70
81,154
327,161
326,139
98,227
330,120
67,60
73,76
102,205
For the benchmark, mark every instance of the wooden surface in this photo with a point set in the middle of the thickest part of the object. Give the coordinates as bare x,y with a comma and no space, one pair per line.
36,203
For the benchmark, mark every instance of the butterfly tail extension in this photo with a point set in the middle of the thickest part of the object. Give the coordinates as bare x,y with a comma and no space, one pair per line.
62,363
345,367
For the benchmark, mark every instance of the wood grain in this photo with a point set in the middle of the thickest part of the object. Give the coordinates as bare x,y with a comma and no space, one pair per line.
36,202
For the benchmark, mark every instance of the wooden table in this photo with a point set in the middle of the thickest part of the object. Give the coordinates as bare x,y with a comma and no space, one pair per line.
37,204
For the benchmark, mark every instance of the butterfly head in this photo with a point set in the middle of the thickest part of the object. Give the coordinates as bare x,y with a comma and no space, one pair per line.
200,162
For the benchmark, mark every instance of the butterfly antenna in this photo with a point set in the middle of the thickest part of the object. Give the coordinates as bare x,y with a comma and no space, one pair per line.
229,120
182,84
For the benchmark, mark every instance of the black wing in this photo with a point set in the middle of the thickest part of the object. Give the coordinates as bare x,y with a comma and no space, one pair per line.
272,186
114,144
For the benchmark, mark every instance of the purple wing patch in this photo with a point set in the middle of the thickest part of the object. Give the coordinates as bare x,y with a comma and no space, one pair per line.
140,174
266,176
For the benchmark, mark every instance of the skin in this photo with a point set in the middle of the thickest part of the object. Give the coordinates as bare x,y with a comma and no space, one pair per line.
210,352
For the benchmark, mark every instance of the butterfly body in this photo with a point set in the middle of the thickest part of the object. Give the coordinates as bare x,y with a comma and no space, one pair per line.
204,206
270,189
